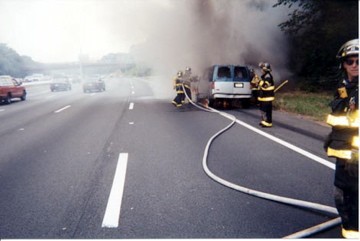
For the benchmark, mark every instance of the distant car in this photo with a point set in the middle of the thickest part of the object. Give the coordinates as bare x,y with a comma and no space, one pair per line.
10,89
93,84
60,84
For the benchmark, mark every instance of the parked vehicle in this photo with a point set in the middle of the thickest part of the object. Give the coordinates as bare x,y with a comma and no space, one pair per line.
229,85
93,84
60,84
10,89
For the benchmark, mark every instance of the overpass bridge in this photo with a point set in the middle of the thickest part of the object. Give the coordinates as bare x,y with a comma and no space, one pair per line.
87,68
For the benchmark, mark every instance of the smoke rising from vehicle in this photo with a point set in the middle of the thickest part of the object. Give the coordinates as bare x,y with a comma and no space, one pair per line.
205,32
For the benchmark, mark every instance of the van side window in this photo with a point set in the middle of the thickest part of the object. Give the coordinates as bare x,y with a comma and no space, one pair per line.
224,72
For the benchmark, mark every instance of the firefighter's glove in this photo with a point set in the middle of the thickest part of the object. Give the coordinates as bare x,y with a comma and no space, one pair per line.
352,165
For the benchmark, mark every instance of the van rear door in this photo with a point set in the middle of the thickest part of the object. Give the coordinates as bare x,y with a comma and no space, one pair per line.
241,82
222,81
230,82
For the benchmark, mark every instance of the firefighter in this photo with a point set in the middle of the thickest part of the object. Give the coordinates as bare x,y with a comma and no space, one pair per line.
187,73
343,141
266,95
187,83
178,82
255,79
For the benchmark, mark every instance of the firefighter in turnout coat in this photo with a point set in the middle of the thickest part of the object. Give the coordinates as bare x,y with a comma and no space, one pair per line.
187,83
254,83
180,96
266,95
343,140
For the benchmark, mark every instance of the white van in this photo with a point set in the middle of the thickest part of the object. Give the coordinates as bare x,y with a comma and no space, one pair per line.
229,85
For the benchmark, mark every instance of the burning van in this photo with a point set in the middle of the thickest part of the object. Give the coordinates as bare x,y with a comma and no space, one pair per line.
229,85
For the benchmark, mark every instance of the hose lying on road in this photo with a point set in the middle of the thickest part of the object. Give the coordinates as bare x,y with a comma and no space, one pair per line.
268,196
315,229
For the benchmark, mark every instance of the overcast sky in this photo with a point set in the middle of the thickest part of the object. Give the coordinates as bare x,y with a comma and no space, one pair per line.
59,30
167,34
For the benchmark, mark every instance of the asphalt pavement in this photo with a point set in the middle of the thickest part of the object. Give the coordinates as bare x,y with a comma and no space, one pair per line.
62,155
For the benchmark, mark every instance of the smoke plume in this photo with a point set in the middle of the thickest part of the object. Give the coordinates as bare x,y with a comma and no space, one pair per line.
201,33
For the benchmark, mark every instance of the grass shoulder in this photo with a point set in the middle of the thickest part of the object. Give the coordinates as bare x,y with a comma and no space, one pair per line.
308,104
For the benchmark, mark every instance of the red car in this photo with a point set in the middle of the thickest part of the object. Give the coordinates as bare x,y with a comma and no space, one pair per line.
10,88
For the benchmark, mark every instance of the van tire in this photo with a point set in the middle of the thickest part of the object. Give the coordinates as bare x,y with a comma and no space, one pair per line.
211,103
245,103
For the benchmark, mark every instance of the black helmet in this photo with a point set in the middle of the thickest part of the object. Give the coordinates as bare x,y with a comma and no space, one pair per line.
265,66
349,48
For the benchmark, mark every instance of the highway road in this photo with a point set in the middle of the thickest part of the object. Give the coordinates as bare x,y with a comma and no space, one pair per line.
125,163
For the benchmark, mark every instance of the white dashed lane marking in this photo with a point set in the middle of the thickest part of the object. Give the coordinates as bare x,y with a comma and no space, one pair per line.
112,213
131,106
62,109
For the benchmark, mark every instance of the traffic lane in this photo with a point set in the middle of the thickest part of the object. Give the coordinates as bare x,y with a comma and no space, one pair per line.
150,176
190,127
48,178
258,163
167,193
18,114
17,117
201,233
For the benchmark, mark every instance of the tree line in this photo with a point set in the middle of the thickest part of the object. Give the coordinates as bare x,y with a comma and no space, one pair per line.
11,63
316,29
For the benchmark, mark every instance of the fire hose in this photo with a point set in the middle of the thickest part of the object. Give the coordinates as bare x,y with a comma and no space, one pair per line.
264,195
281,85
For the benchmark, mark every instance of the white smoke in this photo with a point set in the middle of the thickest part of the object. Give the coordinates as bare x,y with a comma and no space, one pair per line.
200,33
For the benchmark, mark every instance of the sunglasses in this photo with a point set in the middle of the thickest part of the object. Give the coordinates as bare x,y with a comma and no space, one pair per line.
352,61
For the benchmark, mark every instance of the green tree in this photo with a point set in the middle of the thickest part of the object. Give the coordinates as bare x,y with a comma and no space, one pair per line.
316,30
11,63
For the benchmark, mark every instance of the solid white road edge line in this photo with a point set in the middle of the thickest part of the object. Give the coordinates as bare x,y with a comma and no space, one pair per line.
286,144
112,213
131,106
64,108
